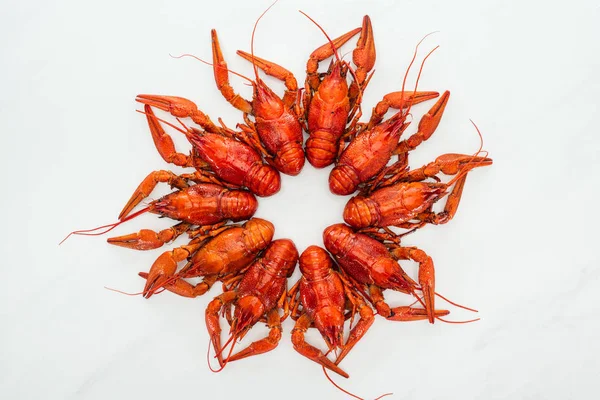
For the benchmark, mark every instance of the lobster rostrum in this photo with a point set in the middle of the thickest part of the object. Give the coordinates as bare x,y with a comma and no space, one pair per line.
373,266
329,103
322,298
259,294
215,255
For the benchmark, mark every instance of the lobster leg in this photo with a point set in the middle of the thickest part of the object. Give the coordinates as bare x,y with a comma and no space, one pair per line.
309,351
403,313
147,239
178,107
222,78
264,345
148,185
276,71
186,289
398,100
364,323
212,320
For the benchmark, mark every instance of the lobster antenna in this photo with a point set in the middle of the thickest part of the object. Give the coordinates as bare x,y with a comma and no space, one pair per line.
151,115
345,391
92,232
211,64
418,77
252,39
335,52
413,60
121,292
479,151
224,363
455,304
338,386
457,322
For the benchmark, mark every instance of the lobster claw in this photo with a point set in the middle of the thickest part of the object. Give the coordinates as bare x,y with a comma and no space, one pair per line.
177,106
413,314
364,54
161,272
451,164
145,239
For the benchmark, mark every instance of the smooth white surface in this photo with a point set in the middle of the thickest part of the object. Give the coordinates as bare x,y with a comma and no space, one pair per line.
523,247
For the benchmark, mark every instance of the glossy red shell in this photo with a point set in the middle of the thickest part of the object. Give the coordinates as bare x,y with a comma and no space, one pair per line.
206,204
237,163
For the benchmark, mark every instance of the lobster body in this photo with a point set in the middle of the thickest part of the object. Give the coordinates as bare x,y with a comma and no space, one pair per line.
322,294
265,280
258,295
327,115
365,259
393,205
231,250
366,156
205,204
224,254
236,162
279,130
330,104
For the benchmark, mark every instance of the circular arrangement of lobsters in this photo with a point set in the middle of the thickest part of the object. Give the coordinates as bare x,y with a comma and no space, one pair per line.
230,167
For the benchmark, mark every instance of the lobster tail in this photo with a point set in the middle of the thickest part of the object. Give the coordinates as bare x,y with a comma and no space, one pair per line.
290,159
321,148
238,205
343,180
263,180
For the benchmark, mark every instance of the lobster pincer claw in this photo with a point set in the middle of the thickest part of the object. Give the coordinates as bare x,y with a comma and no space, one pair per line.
178,107
163,270
451,164
406,314
364,54
430,121
145,239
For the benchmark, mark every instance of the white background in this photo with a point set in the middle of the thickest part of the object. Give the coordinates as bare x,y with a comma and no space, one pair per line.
522,248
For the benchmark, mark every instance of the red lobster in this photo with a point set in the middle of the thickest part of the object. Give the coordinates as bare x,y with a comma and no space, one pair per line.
372,264
230,160
260,294
276,121
329,103
324,296
201,204
367,155
218,254
401,203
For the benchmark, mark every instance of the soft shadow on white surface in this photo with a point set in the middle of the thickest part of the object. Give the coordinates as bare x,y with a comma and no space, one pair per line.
521,248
